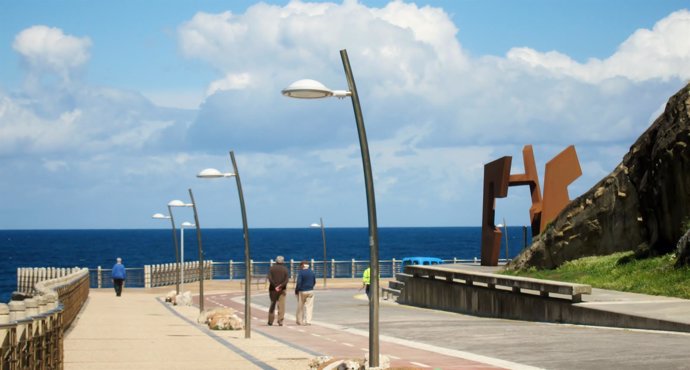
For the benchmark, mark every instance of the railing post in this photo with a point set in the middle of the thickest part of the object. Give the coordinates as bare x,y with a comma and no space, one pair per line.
230,269
353,268
147,276
4,319
31,307
332,268
99,278
251,266
393,271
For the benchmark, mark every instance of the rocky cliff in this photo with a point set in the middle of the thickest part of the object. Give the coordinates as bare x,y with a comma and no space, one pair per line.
642,205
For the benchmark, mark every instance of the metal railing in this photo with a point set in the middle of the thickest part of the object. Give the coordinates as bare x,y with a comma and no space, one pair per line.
166,274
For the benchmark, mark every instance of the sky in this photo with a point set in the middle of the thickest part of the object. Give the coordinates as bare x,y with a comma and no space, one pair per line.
108,109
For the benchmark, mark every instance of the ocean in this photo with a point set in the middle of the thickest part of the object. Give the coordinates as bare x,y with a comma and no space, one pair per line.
93,248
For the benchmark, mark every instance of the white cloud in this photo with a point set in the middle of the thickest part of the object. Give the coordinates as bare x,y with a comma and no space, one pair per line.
434,116
49,49
660,53
230,82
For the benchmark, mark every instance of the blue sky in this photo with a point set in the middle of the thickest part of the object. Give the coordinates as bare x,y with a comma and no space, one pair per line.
108,109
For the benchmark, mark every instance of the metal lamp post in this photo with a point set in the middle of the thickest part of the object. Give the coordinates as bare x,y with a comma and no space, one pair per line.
323,237
212,173
179,203
310,89
161,216
182,227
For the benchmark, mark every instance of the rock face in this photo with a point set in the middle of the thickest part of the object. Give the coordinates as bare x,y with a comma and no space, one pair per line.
640,206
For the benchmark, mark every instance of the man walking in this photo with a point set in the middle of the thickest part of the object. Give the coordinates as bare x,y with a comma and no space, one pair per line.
304,290
119,276
278,278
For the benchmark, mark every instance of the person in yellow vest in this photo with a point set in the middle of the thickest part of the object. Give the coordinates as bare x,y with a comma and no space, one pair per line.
366,282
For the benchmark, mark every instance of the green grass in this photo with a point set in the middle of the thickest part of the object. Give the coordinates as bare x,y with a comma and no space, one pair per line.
655,276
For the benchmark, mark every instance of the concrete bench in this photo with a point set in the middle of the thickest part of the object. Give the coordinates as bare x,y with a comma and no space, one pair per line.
259,281
496,281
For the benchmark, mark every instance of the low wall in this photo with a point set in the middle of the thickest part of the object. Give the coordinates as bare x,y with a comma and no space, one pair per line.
497,303
31,331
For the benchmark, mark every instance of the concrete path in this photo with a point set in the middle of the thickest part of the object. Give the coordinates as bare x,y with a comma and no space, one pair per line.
139,331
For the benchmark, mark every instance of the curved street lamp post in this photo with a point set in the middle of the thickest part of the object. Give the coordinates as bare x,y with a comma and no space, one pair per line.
161,216
310,89
212,173
323,237
182,227
179,203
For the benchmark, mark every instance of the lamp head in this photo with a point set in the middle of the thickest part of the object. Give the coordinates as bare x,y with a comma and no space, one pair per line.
160,216
179,203
187,224
312,89
212,173
315,225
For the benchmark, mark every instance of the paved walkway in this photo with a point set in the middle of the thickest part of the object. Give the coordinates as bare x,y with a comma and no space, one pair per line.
139,331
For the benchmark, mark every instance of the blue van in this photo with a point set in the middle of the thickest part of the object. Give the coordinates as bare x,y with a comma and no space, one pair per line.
424,261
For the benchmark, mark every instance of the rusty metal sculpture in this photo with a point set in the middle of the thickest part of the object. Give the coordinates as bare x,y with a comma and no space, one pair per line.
560,172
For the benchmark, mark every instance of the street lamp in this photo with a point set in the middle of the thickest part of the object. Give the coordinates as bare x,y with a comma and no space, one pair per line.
182,227
310,89
323,237
504,225
179,203
212,173
160,216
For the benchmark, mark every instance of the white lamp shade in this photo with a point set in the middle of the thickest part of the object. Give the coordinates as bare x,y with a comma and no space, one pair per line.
160,216
307,89
212,173
315,225
187,224
178,203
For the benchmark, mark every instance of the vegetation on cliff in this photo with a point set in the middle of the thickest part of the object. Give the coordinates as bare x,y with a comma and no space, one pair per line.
619,271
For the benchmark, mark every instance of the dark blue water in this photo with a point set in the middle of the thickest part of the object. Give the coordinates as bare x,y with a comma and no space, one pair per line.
93,248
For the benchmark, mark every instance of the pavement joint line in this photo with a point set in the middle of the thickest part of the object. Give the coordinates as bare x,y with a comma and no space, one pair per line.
290,344
219,339
648,331
419,364
348,344
316,335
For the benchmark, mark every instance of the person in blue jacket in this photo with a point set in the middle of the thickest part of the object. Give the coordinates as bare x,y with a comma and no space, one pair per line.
119,276
304,289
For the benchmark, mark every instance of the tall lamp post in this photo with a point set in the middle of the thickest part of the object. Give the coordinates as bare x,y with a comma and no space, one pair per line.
179,203
182,227
323,237
310,89
160,216
212,173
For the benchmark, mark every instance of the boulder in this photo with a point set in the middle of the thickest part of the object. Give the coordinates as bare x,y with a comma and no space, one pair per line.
641,206
184,299
170,297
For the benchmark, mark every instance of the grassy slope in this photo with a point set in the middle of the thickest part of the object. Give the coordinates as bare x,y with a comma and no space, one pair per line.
649,276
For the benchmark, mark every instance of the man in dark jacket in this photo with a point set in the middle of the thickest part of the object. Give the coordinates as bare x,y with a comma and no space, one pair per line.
278,278
304,290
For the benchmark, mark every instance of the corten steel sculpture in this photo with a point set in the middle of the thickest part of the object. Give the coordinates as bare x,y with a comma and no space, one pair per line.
530,178
560,172
496,180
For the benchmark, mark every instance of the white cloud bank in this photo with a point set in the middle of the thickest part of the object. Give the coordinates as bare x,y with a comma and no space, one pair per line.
48,49
434,114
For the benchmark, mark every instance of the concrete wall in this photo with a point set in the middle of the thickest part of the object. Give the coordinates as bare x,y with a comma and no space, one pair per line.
497,303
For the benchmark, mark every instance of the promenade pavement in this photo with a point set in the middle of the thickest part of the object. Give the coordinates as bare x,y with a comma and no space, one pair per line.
139,331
